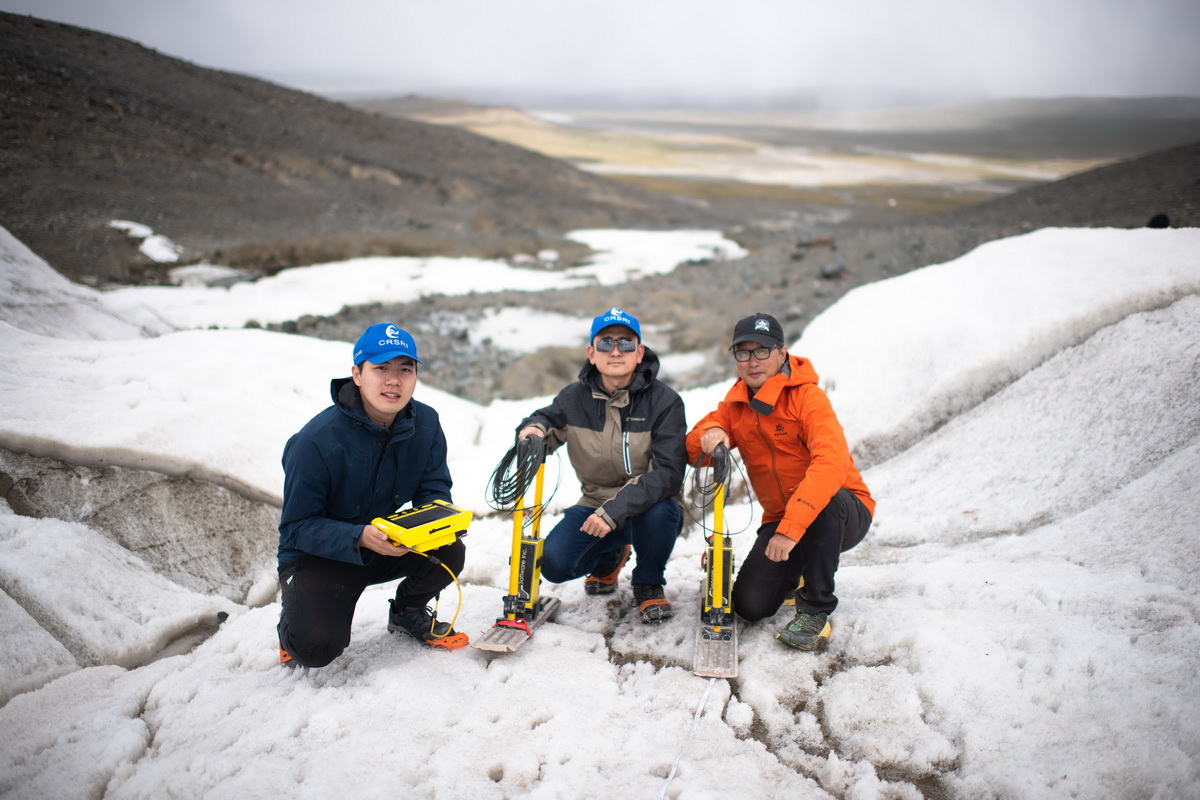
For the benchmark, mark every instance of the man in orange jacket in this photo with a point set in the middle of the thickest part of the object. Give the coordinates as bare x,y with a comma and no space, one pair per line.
815,504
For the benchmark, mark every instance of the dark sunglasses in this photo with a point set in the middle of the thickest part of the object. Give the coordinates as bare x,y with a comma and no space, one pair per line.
761,353
606,344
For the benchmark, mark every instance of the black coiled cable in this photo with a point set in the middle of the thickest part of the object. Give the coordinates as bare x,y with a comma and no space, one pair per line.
515,474
703,490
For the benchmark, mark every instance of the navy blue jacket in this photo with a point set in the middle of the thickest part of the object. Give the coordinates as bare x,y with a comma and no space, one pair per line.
341,471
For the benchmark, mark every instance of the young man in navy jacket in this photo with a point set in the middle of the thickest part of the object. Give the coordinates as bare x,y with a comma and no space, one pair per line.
374,450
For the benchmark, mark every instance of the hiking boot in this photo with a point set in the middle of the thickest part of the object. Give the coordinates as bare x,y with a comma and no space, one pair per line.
419,623
806,631
652,604
604,579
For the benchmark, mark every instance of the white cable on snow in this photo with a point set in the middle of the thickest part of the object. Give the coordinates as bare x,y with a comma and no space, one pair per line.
695,724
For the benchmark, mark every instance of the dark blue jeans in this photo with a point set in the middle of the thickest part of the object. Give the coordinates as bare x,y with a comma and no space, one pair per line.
569,553
761,584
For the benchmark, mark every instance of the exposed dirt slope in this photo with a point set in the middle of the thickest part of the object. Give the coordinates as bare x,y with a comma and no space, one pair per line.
97,128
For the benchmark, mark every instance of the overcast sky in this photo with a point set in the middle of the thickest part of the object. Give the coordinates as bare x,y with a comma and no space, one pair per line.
750,52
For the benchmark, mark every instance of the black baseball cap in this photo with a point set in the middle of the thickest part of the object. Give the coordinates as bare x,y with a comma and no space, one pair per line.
759,328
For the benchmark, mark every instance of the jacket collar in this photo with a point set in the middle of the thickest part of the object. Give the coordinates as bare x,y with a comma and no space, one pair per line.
767,396
349,402
643,375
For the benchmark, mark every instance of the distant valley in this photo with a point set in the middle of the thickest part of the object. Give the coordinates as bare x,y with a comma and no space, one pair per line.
869,163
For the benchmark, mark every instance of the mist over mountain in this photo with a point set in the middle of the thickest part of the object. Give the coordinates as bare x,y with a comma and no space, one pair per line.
242,172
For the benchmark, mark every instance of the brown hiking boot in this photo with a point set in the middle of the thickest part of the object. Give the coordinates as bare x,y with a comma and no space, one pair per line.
604,581
652,603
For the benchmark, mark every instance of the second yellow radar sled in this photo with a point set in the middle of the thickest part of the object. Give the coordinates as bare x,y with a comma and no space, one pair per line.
716,652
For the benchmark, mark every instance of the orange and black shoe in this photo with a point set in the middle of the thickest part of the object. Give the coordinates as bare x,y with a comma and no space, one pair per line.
285,658
419,623
604,579
652,603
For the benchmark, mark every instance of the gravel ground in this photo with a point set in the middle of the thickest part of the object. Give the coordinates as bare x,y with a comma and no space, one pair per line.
793,271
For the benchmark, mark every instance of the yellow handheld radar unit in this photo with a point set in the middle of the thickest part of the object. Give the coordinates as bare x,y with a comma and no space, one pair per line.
425,527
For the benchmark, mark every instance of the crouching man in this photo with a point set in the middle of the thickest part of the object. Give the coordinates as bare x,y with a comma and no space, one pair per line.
815,504
371,452
624,432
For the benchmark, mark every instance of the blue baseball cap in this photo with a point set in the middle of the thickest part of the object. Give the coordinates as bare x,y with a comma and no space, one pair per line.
615,316
382,342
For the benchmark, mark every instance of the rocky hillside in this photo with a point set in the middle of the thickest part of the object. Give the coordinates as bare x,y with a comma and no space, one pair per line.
793,273
97,128
244,172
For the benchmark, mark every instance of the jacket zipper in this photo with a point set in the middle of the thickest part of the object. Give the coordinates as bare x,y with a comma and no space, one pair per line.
379,466
625,450
774,470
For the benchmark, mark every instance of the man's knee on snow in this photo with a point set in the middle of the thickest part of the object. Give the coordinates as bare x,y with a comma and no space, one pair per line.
313,651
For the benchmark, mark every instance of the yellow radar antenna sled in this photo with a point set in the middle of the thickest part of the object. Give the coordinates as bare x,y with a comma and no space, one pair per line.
716,651
524,611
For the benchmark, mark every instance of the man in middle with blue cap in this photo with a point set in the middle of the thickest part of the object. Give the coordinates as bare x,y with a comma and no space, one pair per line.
624,431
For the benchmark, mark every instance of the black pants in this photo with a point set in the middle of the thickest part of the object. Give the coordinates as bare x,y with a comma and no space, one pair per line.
319,596
762,585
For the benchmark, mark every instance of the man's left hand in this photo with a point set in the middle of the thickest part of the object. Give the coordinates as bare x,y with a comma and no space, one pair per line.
779,548
377,541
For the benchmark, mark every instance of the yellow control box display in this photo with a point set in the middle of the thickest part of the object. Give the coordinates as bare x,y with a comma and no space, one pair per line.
425,527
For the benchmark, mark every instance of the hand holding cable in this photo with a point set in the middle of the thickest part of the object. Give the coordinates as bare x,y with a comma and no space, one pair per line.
713,438
516,470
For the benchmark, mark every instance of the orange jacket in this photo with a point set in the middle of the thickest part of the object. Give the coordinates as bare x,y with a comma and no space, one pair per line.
792,445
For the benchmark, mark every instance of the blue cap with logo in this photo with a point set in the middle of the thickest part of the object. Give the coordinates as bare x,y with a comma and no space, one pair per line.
382,342
615,316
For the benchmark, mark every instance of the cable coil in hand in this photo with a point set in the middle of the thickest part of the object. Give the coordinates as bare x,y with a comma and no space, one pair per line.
515,473
722,464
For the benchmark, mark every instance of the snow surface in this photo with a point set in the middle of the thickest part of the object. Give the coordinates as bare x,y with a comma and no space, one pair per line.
325,288
154,246
1021,621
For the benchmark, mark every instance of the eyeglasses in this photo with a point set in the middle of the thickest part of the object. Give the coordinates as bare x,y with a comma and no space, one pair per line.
761,353
606,344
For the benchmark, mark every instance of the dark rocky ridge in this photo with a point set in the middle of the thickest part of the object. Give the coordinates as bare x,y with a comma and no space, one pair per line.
248,173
